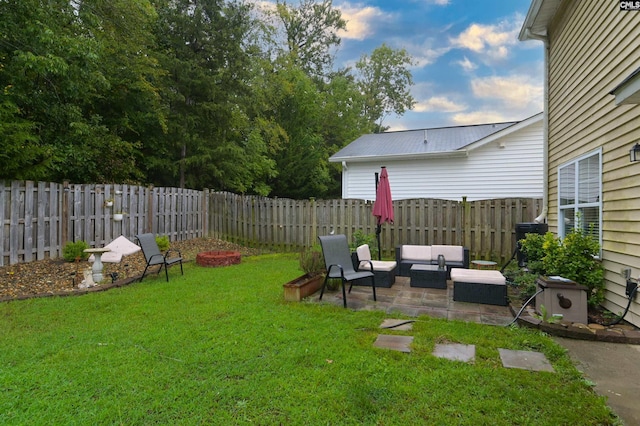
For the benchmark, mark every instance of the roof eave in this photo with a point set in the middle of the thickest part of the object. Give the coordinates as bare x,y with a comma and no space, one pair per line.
505,132
366,158
538,19
628,92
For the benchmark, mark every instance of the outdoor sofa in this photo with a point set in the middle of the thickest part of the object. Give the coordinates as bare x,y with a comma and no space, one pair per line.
408,255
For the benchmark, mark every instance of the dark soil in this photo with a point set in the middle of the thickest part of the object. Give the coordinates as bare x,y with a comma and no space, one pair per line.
55,276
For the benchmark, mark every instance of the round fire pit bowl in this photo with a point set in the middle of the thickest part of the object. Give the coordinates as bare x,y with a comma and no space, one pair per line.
214,259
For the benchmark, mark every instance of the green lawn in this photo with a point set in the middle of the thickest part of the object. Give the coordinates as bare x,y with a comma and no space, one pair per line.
220,346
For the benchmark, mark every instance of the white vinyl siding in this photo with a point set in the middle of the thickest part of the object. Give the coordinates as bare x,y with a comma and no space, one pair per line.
593,47
509,167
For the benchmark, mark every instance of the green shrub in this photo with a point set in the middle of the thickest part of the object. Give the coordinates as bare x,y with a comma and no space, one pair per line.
163,242
527,285
75,250
574,257
532,248
359,238
312,260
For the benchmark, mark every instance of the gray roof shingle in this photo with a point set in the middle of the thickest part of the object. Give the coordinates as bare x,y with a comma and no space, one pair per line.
412,142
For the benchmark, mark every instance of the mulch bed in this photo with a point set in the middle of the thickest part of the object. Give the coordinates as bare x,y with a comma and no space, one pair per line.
56,276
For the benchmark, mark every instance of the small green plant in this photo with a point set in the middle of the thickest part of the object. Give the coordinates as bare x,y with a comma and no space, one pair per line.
545,317
75,250
312,260
359,238
163,242
527,284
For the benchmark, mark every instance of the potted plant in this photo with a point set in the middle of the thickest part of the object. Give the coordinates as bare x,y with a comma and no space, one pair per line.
118,216
108,202
312,264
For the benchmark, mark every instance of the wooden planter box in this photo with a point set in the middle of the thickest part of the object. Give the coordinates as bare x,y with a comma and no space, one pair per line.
301,287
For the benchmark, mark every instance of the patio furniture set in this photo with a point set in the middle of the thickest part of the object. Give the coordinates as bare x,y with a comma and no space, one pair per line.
427,267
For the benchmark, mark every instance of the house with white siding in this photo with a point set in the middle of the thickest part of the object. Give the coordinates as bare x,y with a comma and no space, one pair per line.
486,161
591,123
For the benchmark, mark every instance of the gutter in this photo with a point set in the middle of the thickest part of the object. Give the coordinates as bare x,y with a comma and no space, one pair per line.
545,126
391,157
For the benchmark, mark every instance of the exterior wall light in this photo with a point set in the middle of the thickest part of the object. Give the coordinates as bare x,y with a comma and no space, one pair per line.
634,153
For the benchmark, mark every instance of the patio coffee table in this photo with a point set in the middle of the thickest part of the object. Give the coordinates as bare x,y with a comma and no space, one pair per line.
427,276
484,264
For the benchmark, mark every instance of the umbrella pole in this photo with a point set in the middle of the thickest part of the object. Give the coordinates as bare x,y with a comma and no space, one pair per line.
378,231
379,227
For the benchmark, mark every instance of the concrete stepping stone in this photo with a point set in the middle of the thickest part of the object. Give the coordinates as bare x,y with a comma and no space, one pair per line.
525,360
455,352
396,324
394,343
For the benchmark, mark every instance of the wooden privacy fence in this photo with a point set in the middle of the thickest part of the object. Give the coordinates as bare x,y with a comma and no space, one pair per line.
487,227
38,218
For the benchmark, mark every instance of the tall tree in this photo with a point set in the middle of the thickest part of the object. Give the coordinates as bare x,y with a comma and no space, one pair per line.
210,142
342,121
293,106
311,34
384,81
54,77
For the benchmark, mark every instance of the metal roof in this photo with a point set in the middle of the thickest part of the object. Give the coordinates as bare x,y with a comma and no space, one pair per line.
443,140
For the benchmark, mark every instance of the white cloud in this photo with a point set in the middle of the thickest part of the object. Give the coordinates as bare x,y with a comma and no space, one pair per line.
425,55
439,2
359,20
490,40
467,65
439,104
478,117
397,128
518,92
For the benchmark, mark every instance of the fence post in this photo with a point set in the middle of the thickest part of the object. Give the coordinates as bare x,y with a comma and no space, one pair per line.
64,215
150,210
205,212
314,221
466,222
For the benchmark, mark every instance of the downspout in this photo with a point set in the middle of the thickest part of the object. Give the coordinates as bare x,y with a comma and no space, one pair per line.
545,126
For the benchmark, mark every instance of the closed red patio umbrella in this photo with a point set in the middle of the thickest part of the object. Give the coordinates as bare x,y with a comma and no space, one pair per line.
383,205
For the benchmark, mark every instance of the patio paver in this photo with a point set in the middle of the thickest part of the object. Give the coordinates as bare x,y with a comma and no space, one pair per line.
525,360
413,301
394,343
455,352
397,324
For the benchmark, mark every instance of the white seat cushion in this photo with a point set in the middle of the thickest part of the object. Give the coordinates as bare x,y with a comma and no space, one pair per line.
477,276
363,252
450,253
379,265
420,253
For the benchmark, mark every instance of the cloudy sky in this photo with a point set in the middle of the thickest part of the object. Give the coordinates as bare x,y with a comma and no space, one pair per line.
470,67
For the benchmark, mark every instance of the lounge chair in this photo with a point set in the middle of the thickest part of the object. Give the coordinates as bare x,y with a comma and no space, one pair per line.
154,257
337,259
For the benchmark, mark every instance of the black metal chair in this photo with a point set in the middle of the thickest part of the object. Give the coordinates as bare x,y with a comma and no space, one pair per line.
154,256
337,259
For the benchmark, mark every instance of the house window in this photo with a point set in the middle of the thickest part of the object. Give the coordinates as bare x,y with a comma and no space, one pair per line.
580,189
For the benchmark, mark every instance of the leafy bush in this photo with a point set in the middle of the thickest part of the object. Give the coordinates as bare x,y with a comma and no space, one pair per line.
532,248
75,250
527,285
312,260
574,258
359,238
163,242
